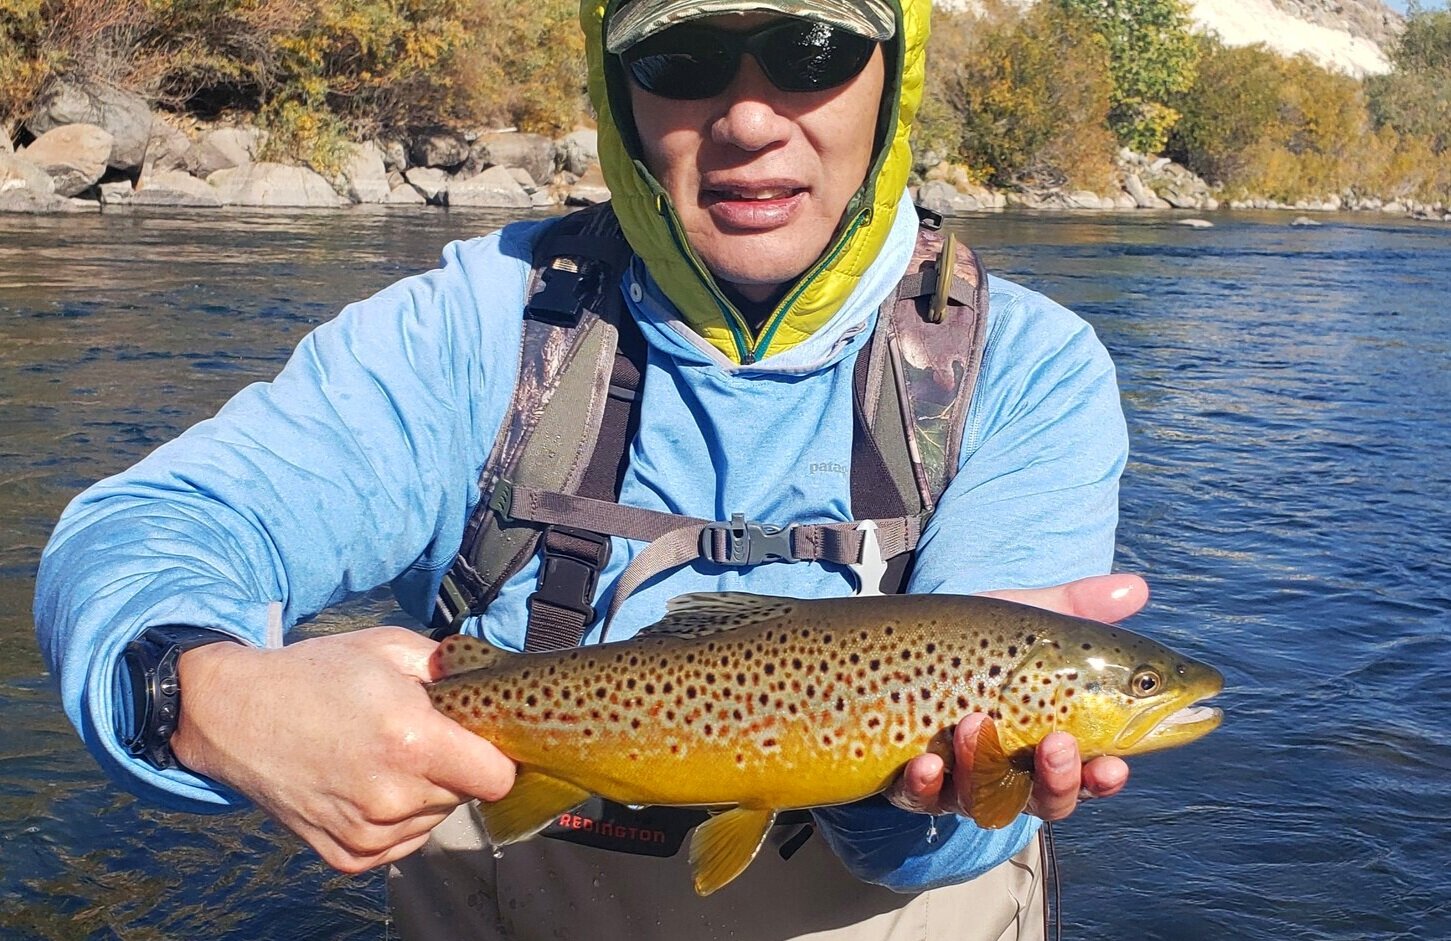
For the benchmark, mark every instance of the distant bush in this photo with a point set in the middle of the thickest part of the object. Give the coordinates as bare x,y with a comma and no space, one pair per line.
315,71
1256,123
1415,99
1152,58
1020,99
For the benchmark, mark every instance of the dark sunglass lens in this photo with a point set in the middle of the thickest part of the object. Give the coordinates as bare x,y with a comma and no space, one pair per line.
813,56
682,63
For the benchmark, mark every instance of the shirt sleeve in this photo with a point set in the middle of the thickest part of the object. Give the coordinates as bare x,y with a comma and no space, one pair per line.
356,466
1034,503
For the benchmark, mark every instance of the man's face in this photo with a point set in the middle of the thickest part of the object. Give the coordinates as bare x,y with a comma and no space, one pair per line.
760,177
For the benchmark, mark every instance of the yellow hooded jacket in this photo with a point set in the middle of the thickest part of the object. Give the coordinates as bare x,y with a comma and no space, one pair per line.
650,223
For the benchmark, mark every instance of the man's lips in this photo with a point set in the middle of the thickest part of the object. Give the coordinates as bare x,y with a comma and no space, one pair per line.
753,207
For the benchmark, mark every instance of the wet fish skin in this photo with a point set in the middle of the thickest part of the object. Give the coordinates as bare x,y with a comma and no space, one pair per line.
761,704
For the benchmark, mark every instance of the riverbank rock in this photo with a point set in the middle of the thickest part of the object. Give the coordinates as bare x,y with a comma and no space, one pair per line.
495,188
578,150
75,156
589,190
365,178
533,153
6,146
430,181
175,189
166,148
439,147
224,148
942,197
125,116
274,186
24,187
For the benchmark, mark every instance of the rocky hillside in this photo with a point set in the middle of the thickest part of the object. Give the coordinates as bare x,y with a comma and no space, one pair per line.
1349,35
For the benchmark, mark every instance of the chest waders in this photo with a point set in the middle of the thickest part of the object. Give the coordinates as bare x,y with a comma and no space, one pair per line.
551,482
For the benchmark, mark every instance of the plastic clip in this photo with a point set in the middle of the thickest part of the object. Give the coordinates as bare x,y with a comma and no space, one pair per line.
747,543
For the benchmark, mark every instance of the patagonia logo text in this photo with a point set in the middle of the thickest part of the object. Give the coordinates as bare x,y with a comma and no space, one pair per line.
828,467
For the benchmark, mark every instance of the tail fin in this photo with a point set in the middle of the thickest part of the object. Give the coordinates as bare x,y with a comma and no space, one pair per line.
460,654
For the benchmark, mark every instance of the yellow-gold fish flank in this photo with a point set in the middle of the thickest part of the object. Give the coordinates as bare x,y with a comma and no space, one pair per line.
760,704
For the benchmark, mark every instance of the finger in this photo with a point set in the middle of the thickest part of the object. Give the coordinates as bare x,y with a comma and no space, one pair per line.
919,788
466,765
1105,777
1100,597
1057,777
964,748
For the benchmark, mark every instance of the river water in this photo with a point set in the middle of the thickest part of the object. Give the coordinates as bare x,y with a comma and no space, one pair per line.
1287,495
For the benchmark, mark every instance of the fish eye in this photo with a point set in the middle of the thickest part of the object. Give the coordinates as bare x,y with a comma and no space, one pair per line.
1146,683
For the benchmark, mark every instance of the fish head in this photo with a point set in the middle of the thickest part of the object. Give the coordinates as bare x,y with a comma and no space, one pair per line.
1116,692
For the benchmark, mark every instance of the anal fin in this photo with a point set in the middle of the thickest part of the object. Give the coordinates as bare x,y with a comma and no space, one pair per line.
531,804
723,846
1000,787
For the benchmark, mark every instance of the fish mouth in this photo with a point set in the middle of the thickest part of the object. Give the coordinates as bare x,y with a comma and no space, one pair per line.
1179,728
1176,722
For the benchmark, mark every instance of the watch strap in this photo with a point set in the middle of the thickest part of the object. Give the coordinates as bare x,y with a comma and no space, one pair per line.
151,664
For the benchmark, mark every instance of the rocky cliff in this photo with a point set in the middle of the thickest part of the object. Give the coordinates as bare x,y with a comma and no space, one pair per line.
1349,35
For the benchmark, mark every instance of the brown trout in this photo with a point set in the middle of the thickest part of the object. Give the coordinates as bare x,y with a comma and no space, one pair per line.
751,705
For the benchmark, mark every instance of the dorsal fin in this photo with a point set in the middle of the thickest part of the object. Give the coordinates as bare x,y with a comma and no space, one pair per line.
708,612
460,653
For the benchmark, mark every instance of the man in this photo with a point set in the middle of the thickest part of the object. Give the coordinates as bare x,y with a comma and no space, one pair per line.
757,153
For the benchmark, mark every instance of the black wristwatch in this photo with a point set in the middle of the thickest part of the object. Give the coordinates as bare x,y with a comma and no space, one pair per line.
150,670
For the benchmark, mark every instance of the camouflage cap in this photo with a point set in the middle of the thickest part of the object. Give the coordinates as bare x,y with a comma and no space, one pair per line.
637,19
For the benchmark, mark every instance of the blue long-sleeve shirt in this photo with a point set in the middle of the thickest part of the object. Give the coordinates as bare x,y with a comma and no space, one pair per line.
358,465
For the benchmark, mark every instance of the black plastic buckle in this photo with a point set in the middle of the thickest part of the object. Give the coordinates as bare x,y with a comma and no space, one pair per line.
560,302
567,579
748,543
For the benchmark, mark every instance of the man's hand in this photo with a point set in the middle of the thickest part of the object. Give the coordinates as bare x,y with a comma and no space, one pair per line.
1058,776
336,739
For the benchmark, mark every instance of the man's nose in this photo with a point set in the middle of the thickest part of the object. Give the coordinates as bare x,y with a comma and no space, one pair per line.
750,117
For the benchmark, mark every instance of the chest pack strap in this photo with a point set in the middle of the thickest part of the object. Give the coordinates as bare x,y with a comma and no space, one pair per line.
551,482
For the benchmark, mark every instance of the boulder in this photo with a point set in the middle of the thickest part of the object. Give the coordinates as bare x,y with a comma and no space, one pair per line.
123,115
429,181
166,149
24,187
495,188
6,147
1085,199
364,175
1196,223
532,152
439,147
176,189
274,186
395,153
577,151
1303,221
1144,198
942,197
75,156
589,190
116,194
406,194
522,177
223,149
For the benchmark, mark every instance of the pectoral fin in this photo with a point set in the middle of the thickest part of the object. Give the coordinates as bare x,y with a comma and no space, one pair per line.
1000,788
533,801
723,846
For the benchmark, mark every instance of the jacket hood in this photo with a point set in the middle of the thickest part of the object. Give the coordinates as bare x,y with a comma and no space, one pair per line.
650,223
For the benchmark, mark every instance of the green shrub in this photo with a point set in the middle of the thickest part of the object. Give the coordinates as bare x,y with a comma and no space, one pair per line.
1020,98
1152,58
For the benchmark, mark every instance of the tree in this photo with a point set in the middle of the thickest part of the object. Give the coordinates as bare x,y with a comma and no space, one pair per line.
1152,58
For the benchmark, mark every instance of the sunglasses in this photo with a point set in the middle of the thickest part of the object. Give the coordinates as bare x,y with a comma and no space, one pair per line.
690,62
